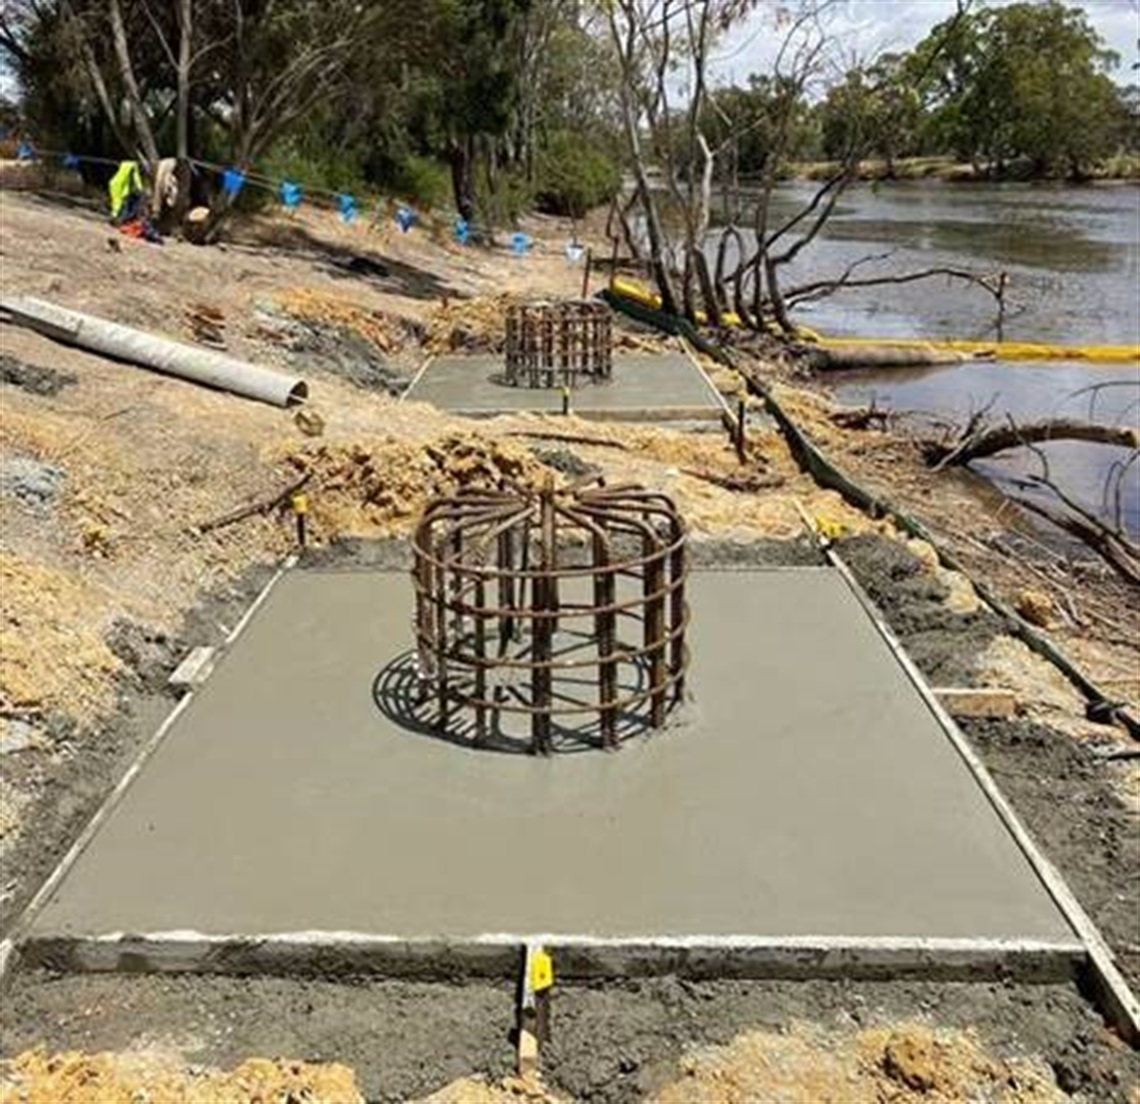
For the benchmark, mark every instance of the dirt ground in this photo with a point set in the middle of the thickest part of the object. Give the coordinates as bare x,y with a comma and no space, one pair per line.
120,549
615,1042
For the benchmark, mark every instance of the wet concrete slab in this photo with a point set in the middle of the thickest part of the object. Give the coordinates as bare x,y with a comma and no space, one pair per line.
644,387
810,792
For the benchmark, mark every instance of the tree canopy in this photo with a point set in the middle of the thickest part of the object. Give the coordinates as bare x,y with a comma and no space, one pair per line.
493,106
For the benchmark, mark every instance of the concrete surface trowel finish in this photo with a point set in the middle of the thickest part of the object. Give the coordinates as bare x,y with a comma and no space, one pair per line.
644,387
812,792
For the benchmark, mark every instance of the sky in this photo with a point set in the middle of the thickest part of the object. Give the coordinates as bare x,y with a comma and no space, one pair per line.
864,28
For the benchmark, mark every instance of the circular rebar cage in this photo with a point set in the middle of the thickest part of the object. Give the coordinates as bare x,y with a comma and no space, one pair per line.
565,344
550,620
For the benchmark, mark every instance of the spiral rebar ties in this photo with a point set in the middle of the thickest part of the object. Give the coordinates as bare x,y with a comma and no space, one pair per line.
551,619
566,344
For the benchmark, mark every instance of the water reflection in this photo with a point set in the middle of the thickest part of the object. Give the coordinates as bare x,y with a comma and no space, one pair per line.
1102,393
1072,254
1073,259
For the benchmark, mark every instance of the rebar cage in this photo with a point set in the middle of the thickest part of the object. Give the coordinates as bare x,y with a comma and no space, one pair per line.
564,344
550,620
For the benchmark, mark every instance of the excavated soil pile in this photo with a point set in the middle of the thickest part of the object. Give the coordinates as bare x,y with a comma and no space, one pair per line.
469,325
36,1077
387,331
899,1064
943,642
904,1064
373,489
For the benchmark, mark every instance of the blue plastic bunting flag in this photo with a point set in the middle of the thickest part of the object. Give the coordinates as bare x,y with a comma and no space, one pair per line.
520,243
291,194
405,218
24,152
346,204
70,161
233,180
462,231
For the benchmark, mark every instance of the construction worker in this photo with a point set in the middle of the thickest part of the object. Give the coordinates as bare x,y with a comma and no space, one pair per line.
128,204
125,191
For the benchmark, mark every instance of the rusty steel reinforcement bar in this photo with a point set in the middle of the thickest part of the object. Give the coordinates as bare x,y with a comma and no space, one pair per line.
498,633
172,358
558,344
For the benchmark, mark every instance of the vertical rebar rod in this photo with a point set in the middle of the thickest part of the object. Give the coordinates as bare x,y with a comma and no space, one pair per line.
440,592
542,651
677,613
653,583
604,626
480,647
506,588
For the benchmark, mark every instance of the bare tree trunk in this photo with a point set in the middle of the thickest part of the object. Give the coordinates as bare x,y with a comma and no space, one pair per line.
134,97
182,109
626,49
95,75
779,307
708,291
462,179
700,231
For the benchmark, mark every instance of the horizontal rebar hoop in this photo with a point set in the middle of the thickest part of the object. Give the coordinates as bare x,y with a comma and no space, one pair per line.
563,609
566,344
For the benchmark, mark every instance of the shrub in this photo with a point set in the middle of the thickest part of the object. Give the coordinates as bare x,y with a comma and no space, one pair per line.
422,179
573,177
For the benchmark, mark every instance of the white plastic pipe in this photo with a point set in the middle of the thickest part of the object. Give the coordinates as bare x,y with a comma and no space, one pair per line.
160,353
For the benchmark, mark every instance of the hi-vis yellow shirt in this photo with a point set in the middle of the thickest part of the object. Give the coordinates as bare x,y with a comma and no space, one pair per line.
126,181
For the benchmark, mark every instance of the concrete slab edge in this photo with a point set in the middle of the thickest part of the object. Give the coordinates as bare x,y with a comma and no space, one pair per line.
1114,998
11,947
721,401
636,414
577,957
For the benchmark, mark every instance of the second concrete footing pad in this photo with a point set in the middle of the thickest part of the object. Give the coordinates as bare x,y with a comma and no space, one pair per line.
808,808
644,388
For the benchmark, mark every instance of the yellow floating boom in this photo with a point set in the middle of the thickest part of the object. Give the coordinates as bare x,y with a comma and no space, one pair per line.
995,350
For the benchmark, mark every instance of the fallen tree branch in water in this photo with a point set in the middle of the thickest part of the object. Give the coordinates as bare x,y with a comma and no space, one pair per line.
978,443
820,289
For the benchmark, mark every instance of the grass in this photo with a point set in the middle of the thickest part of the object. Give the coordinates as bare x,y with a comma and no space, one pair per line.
1121,166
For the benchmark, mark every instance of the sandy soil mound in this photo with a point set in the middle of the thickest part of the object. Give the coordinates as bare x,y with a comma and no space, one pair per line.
36,1077
900,1065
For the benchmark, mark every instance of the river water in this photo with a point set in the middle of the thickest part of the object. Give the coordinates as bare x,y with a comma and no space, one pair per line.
1073,259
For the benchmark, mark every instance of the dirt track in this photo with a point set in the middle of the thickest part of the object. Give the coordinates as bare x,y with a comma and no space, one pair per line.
106,582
